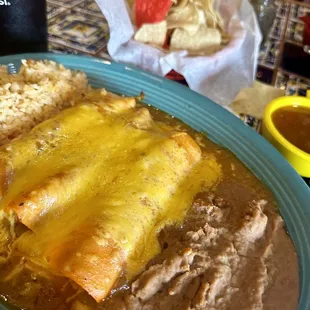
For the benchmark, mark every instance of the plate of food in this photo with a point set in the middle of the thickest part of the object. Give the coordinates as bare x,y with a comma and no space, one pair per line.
123,190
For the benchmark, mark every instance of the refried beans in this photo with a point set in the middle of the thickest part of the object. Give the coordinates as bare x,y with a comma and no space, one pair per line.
221,258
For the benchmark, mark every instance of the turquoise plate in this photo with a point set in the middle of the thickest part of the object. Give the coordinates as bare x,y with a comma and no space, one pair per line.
291,192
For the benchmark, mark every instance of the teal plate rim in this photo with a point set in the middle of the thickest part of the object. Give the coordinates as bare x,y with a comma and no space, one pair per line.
291,192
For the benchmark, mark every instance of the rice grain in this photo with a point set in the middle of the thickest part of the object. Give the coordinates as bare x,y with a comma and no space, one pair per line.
39,91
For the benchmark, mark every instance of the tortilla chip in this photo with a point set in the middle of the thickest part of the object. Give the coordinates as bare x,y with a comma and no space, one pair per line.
206,40
213,18
201,16
206,4
152,33
187,18
178,5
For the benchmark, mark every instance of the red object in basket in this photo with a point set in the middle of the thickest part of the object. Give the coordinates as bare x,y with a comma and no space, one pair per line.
306,20
175,76
151,11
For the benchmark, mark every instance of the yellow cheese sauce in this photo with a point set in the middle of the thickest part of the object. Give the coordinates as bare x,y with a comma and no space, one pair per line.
95,171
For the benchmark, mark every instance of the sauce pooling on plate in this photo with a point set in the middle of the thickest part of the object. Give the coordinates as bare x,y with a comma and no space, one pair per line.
294,125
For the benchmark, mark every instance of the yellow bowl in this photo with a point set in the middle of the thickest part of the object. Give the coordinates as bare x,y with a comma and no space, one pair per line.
299,159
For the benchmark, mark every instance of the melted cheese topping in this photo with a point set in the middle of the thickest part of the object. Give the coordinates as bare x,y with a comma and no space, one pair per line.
95,185
7,235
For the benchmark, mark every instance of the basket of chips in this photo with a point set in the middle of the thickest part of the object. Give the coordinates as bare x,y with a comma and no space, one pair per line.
209,43
174,25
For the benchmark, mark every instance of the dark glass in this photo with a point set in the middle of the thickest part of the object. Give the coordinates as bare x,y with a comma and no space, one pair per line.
23,26
266,13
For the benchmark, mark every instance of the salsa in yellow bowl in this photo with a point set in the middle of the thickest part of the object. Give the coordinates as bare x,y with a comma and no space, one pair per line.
286,125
